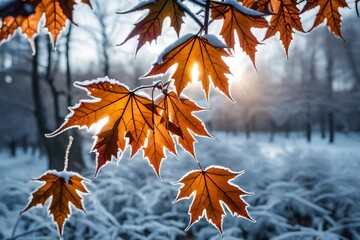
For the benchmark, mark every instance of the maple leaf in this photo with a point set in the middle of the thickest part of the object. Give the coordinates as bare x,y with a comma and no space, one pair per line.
150,27
130,117
176,119
182,122
158,140
63,187
56,12
207,51
286,18
258,5
329,10
241,22
209,188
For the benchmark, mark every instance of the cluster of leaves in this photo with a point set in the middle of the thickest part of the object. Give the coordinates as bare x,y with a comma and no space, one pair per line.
152,123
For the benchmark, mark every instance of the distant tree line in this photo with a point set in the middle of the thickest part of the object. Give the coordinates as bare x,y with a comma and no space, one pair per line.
318,89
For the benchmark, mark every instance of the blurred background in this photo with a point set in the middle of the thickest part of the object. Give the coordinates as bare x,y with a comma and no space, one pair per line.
294,128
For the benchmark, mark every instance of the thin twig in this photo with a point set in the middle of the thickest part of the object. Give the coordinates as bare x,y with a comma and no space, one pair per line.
207,13
190,13
66,162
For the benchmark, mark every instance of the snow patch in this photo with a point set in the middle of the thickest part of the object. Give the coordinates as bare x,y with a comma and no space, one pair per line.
172,46
214,41
243,9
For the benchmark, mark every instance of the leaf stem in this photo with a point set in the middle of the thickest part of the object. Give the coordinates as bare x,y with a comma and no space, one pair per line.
197,2
145,87
190,13
66,162
201,168
159,83
207,13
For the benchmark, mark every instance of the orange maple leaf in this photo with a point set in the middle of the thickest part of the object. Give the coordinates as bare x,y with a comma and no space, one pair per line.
258,5
158,140
329,10
62,187
182,122
150,27
207,51
209,188
130,117
176,119
286,18
56,12
236,20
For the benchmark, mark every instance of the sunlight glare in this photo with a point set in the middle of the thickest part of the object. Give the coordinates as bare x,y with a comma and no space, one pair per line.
96,127
195,73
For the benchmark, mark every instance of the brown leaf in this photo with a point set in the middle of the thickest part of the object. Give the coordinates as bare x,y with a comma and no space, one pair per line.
209,189
56,12
158,140
176,119
329,10
286,18
150,27
179,112
130,117
62,187
192,49
258,5
236,20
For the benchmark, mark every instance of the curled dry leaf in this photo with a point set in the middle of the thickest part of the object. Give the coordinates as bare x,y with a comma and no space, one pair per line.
206,51
210,189
56,12
63,187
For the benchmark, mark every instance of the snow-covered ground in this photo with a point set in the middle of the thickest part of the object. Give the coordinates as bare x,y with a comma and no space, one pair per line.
302,191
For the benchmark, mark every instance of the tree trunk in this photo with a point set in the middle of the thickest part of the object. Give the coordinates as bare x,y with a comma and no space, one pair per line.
331,128
77,162
54,147
322,124
273,131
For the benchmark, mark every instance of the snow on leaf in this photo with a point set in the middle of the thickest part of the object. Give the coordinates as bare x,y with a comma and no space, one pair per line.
210,188
190,50
150,27
236,20
63,187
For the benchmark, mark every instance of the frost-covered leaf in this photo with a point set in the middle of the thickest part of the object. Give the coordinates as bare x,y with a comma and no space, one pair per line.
206,51
210,189
63,187
176,119
150,27
241,22
56,13
130,117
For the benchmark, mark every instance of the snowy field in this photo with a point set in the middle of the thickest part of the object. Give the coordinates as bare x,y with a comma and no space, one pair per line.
302,191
